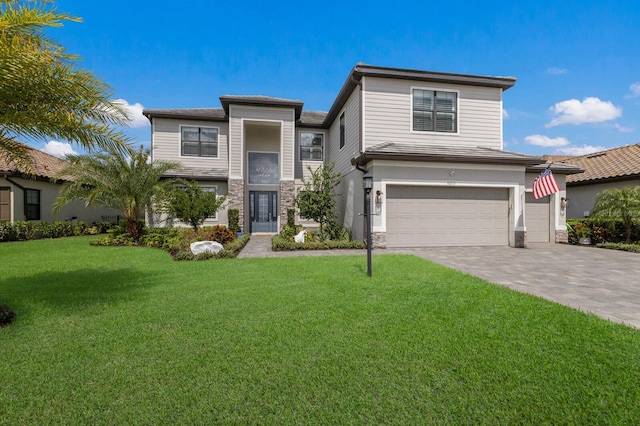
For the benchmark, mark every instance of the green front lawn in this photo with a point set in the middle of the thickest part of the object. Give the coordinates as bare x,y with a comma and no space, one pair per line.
125,335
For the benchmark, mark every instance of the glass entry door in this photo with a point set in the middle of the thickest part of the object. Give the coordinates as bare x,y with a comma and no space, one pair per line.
263,209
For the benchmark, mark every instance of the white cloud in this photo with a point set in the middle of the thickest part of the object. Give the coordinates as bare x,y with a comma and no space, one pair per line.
59,149
135,112
623,129
505,114
546,141
557,71
580,150
635,90
590,110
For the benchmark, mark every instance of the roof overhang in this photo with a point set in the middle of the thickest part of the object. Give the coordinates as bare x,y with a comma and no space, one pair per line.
407,152
557,168
263,101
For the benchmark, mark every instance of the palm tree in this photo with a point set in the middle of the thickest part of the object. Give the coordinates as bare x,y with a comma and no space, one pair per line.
621,204
126,184
43,94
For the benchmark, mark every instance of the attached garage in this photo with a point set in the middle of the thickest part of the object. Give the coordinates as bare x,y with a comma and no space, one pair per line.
420,216
537,216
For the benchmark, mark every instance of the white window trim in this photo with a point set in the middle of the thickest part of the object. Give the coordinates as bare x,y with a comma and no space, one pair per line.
324,145
200,127
433,132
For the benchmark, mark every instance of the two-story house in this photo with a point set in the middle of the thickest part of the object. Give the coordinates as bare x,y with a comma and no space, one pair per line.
433,142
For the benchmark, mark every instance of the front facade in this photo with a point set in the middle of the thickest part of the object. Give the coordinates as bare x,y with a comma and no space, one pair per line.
613,168
433,142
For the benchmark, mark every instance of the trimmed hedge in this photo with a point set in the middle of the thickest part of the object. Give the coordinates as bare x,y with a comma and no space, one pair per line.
35,230
634,248
278,243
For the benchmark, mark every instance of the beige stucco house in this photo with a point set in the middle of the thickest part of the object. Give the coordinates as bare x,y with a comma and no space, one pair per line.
612,168
433,142
27,195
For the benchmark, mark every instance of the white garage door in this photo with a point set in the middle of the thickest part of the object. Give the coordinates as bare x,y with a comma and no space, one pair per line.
537,218
421,216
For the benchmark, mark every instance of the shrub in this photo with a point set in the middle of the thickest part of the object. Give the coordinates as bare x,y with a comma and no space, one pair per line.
291,218
6,315
278,243
234,220
634,248
601,230
33,230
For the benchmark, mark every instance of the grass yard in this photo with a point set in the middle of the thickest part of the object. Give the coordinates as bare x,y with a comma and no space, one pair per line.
125,335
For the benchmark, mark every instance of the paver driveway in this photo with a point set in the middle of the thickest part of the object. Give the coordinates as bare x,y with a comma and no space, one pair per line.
604,282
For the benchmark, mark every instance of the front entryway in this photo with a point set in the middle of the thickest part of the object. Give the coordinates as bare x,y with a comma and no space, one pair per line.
263,211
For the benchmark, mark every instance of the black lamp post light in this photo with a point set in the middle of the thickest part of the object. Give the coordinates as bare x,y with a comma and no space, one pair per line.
367,185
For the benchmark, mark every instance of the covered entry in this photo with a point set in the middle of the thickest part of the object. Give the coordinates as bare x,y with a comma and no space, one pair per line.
419,216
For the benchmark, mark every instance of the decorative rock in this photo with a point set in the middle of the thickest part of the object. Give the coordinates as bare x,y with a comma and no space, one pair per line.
205,246
300,237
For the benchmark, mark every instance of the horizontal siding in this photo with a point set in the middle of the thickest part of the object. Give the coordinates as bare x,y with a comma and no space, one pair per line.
387,114
166,143
285,115
341,157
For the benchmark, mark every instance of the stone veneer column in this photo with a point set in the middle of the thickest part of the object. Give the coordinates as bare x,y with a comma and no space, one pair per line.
235,198
562,236
521,239
287,193
379,239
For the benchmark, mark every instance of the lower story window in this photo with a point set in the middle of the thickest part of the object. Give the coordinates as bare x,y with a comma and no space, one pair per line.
32,204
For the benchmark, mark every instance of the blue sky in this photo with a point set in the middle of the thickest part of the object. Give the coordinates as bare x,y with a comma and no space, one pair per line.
576,62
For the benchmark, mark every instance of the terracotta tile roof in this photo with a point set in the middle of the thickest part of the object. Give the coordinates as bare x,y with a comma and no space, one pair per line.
43,165
614,163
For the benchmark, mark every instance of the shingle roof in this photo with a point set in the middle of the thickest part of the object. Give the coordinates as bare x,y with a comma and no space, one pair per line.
42,165
391,150
312,119
612,164
227,100
214,114
198,173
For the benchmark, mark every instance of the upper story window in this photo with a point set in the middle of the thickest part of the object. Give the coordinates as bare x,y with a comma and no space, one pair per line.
32,204
263,168
311,146
199,141
341,130
435,111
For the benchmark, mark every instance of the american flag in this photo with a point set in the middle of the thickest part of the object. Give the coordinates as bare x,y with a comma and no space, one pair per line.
545,184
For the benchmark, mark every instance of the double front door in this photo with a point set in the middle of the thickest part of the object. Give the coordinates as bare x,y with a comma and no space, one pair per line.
263,210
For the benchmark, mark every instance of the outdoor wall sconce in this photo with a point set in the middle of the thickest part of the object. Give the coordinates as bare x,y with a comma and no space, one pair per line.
564,202
379,197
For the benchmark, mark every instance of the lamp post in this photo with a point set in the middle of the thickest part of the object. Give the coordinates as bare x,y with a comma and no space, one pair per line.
367,185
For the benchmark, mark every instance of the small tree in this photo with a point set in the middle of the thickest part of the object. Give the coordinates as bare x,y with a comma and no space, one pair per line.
191,204
317,200
128,183
621,204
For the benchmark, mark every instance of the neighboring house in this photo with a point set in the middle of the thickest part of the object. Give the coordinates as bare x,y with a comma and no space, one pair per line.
433,142
29,195
613,168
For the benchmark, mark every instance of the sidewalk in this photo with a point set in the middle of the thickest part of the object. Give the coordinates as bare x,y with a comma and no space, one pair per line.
260,246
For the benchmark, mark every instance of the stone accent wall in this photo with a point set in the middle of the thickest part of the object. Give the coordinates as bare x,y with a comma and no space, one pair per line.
562,236
521,239
379,239
287,193
235,199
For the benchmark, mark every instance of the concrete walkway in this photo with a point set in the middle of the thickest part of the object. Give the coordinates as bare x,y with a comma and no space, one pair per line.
603,282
